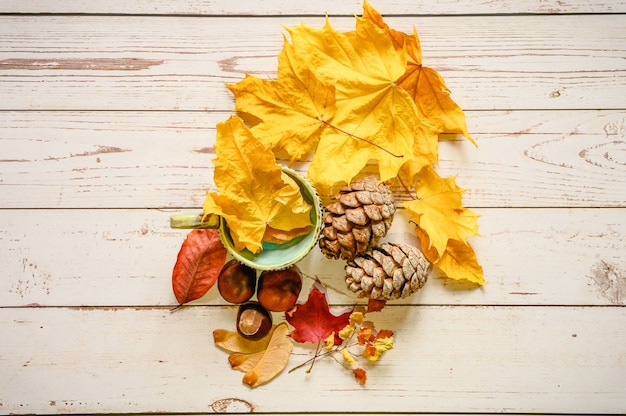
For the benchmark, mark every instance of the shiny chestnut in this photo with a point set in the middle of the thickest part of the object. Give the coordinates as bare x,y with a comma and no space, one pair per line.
278,290
253,321
236,282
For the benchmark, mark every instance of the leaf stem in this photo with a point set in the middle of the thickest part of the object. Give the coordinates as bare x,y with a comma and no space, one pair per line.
177,307
406,189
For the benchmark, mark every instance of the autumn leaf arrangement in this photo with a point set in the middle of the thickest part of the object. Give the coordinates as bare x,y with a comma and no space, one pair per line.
362,112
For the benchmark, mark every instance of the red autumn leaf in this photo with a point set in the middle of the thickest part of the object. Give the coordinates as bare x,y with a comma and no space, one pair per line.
313,321
360,375
200,259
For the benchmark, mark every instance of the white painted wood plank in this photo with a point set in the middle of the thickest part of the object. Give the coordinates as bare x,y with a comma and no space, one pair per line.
445,359
125,257
164,159
285,7
181,63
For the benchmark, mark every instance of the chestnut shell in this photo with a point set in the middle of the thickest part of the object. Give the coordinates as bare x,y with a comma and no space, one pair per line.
278,290
236,282
253,321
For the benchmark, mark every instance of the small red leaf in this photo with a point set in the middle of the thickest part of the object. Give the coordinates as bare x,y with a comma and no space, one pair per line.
200,259
313,321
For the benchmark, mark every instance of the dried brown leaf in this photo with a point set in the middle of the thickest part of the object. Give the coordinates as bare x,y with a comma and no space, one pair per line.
274,359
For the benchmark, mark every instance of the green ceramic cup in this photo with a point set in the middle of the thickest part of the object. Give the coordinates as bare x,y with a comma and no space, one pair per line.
273,256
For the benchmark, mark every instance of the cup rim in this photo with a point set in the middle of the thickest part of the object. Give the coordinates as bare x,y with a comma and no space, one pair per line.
281,256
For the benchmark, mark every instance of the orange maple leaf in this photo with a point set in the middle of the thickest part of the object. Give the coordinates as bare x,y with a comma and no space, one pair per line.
424,84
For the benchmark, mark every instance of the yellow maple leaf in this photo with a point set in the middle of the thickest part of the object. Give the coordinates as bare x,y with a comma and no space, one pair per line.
425,85
375,119
410,43
348,107
439,211
339,93
459,262
254,192
297,96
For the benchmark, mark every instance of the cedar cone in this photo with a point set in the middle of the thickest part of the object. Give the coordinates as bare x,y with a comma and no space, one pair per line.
359,217
391,271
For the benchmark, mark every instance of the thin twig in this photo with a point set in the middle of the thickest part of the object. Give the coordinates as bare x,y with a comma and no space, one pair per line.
317,355
317,350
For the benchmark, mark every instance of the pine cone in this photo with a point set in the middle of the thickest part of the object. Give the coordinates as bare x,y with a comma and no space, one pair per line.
361,215
391,271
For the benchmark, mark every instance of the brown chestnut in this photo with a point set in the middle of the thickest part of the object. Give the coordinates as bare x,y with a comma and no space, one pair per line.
253,321
278,290
236,282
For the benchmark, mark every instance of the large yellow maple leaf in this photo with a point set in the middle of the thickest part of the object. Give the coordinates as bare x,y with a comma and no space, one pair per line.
439,211
255,196
424,84
336,96
375,119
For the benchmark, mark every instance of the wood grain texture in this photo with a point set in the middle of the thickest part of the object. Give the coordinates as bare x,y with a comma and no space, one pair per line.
319,7
445,359
182,63
125,257
164,159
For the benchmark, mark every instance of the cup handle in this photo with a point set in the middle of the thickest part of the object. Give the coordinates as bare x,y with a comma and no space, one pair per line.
194,221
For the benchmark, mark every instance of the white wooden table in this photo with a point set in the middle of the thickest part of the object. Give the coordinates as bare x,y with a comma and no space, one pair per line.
107,122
